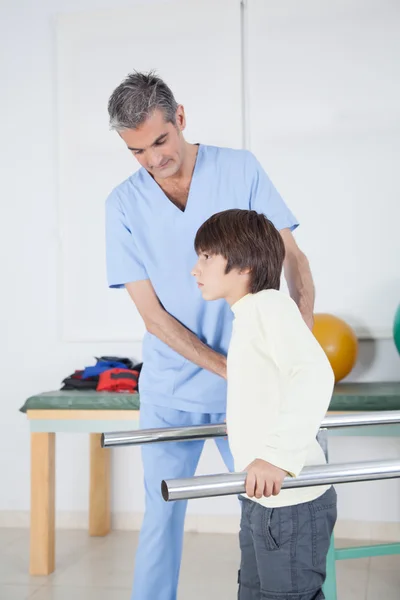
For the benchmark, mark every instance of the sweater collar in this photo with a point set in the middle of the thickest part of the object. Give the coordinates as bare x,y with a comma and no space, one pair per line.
240,306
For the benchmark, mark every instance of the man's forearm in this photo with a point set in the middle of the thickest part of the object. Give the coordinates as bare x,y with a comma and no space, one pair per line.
300,283
186,343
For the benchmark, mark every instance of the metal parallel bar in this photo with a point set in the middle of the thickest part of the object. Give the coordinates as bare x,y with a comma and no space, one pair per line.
165,434
203,432
389,417
234,483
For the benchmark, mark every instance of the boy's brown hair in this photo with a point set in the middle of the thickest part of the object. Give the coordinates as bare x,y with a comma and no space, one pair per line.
247,240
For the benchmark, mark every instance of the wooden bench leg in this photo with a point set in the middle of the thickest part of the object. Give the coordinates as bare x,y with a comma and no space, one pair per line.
42,533
99,495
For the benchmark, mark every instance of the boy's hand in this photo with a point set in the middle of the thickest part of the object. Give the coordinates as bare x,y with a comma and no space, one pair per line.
263,479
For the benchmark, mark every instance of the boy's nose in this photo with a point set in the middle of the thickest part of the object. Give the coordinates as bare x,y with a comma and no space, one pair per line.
195,270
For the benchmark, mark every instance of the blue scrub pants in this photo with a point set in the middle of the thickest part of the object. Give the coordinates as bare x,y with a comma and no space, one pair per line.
159,552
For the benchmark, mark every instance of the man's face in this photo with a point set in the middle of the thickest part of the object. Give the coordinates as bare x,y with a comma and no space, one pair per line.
158,146
212,280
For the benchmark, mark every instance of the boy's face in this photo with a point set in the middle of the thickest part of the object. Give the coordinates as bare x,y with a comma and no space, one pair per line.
214,283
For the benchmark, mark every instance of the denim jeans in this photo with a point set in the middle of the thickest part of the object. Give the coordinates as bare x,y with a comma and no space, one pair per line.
283,550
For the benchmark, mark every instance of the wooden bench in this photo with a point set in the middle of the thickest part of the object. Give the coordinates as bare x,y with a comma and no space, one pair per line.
94,413
72,412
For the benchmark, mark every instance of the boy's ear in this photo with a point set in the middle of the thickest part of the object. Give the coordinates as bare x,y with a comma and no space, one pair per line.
246,271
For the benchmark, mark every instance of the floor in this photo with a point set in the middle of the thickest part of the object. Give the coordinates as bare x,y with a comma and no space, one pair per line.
101,569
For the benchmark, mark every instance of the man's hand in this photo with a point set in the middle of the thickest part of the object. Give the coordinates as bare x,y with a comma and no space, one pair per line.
309,319
224,373
263,479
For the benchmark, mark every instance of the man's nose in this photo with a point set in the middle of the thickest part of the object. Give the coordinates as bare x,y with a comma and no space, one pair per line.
155,159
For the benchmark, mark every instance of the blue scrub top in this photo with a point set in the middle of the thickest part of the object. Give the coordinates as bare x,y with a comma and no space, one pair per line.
148,237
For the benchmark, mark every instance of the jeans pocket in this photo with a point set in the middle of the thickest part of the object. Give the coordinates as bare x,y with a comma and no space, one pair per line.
271,528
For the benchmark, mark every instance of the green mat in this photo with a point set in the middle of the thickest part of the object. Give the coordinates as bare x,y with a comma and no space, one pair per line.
366,396
82,400
346,397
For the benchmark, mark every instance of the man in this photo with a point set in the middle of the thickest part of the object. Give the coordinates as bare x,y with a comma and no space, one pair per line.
151,222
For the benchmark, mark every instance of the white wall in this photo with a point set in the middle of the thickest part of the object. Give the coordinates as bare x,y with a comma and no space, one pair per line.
324,119
32,356
95,50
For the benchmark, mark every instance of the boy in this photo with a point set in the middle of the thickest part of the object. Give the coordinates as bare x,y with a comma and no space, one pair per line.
280,384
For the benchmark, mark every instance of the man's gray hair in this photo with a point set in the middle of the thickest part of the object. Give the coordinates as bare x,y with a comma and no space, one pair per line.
137,97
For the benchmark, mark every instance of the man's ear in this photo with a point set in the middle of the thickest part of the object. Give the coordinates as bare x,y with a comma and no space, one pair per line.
245,271
180,118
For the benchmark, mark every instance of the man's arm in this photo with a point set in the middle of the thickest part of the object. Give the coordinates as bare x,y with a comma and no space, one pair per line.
264,198
161,324
298,276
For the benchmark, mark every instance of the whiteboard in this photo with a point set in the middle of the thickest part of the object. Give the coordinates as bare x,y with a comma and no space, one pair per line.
196,48
323,108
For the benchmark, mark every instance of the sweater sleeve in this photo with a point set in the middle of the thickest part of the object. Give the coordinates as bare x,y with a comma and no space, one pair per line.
304,385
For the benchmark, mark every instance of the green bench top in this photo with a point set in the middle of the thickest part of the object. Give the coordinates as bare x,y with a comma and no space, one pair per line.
346,397
82,400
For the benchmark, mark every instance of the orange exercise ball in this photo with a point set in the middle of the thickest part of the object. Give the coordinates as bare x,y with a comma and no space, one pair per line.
338,341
